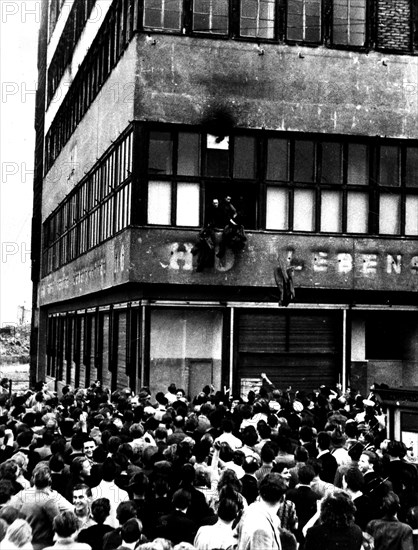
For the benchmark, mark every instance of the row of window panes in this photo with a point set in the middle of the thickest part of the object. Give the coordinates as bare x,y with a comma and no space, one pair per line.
114,35
55,7
288,160
309,185
79,347
110,172
258,19
80,12
98,208
103,222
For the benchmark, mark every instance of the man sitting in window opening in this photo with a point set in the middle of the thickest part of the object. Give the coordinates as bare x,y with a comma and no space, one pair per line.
221,217
233,232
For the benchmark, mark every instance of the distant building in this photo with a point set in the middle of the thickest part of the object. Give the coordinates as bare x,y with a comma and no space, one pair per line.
304,112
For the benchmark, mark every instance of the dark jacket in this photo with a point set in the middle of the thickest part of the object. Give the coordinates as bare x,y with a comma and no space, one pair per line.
177,527
321,537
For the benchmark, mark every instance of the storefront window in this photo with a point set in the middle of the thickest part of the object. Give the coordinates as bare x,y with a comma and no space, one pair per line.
185,349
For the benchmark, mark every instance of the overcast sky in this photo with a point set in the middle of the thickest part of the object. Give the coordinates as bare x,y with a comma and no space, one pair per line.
18,50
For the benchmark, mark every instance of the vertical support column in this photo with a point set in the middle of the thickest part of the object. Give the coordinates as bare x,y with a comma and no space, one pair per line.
144,343
231,347
344,353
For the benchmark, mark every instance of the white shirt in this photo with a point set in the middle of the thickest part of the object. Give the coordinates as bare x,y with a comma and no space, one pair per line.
108,489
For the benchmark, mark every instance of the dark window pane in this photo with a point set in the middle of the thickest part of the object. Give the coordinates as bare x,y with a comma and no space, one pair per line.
244,158
411,176
188,154
304,161
331,163
389,166
277,160
160,153
357,164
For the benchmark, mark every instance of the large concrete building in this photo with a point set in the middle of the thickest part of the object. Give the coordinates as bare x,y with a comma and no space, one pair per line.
305,112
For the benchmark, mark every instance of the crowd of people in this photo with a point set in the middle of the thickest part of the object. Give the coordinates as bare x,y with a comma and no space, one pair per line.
89,469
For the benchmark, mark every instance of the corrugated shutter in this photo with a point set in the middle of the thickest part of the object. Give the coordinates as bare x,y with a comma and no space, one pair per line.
300,349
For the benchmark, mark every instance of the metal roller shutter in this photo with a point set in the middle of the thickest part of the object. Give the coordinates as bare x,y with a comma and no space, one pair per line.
296,348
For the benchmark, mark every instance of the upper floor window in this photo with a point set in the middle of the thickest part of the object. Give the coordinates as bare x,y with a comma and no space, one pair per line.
257,18
211,16
304,20
349,22
163,14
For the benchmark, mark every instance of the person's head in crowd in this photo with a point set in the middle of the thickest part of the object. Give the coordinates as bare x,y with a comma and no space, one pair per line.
3,528
160,435
355,450
77,442
6,491
390,504
226,453
140,485
24,439
228,510
238,457
65,525
158,544
301,454
19,534
316,466
249,436
282,469
81,499
337,438
58,446
89,445
353,480
283,441
263,429
351,430
80,467
202,478
9,514
272,488
125,510
56,463
113,443
131,531
21,460
250,464
109,470
306,434
396,450
181,499
9,470
230,479
324,441
306,474
337,510
183,546
226,425
100,510
187,475
126,450
267,453
136,431
367,461
41,476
